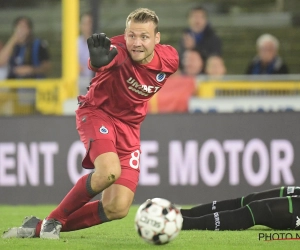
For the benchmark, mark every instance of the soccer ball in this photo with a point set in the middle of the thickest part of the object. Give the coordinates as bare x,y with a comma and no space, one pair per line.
158,221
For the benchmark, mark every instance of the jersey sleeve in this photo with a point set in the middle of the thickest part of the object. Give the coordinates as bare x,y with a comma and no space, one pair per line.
173,59
169,58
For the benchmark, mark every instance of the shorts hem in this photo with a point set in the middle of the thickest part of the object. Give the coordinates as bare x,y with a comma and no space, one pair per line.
127,183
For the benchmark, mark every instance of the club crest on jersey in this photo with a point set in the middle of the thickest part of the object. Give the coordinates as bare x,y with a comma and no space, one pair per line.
103,130
160,76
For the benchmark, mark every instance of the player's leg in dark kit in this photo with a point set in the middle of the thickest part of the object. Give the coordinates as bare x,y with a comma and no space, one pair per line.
217,206
277,213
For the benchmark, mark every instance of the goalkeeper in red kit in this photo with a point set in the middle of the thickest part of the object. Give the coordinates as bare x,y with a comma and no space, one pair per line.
130,69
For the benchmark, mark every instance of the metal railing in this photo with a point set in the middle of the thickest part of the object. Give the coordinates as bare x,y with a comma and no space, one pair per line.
233,86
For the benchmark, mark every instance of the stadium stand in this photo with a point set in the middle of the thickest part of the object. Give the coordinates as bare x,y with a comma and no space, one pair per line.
238,23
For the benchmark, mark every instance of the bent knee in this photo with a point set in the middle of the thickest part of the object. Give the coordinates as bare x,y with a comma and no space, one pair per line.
116,213
106,174
102,180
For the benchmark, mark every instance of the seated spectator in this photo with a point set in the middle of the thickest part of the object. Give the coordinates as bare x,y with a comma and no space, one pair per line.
267,61
200,35
178,89
215,67
26,56
192,62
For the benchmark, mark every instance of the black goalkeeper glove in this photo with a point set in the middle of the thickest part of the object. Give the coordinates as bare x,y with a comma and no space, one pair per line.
100,52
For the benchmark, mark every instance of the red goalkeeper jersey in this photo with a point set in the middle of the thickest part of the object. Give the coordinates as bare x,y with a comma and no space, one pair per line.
122,88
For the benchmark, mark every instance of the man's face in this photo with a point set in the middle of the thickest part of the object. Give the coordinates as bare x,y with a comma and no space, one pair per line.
215,66
140,41
192,63
197,21
267,52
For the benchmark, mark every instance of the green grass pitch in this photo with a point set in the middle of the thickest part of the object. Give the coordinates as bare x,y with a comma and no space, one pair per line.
121,235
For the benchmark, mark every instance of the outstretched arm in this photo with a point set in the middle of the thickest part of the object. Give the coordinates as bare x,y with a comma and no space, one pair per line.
101,53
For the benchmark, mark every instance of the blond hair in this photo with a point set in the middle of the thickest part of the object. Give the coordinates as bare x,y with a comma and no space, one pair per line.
143,15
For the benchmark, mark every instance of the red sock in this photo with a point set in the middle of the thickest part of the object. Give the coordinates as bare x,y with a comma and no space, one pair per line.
79,195
87,216
91,214
38,228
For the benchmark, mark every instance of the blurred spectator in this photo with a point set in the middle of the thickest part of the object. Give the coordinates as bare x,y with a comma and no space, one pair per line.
175,94
215,67
267,60
3,69
6,103
86,29
200,35
192,62
26,56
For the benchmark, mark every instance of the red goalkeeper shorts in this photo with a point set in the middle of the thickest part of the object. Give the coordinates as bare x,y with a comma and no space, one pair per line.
102,133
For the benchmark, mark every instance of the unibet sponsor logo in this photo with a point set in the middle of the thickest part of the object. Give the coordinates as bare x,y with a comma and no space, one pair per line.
141,89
